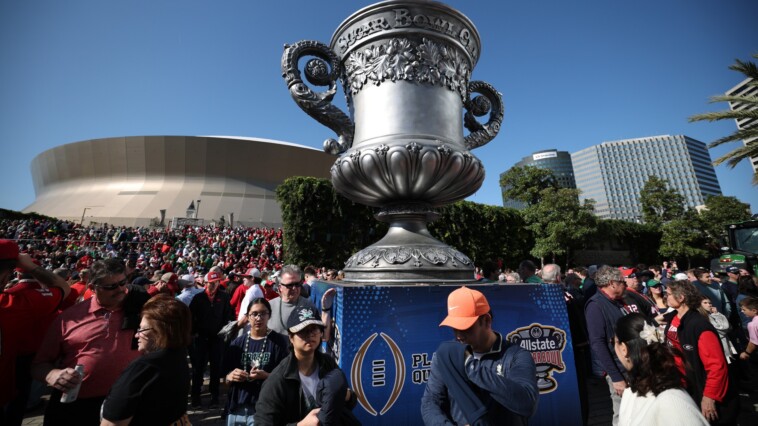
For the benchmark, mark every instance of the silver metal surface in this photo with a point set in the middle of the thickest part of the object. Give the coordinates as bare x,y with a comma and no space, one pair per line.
405,67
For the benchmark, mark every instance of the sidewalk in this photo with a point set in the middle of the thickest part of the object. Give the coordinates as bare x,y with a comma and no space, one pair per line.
600,413
199,416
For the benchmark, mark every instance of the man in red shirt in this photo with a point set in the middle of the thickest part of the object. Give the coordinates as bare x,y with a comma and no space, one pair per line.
25,310
98,333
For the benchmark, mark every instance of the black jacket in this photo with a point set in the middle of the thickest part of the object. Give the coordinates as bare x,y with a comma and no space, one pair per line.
691,326
282,401
208,318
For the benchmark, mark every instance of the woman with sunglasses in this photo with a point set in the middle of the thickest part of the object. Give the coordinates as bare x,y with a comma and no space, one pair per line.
307,387
657,294
153,389
249,360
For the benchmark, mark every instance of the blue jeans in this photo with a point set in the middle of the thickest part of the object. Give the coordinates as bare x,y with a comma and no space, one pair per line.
242,416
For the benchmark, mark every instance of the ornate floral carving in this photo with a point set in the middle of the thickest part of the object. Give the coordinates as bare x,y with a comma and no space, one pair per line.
433,255
382,149
413,148
429,62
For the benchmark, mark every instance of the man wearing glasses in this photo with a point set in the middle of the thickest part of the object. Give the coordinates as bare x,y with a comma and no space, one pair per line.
290,289
290,298
98,333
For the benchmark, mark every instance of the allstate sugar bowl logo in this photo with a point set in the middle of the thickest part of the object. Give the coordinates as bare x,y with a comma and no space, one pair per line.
378,384
546,345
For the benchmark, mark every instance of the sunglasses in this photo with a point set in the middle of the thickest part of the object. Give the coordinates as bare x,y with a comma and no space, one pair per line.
308,332
113,286
293,285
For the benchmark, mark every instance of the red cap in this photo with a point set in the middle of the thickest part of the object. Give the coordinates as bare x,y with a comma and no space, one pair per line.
212,276
626,271
464,307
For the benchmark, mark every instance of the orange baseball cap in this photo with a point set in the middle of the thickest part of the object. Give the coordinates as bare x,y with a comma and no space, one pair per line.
464,306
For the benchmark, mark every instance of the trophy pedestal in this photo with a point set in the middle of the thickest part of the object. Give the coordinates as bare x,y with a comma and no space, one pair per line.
385,336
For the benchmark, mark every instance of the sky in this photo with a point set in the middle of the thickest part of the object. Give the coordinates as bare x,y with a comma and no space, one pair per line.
572,74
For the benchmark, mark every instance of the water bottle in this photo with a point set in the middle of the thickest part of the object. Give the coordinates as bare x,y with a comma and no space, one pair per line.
72,394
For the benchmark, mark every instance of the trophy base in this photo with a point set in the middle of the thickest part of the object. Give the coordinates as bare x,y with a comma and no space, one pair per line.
408,254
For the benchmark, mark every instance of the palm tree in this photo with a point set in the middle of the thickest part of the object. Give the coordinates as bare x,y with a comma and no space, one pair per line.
748,133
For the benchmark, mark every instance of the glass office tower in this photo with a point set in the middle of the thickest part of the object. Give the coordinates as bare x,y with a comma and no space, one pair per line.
613,173
559,162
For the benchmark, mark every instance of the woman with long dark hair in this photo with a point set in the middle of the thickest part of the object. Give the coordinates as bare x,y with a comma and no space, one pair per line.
655,395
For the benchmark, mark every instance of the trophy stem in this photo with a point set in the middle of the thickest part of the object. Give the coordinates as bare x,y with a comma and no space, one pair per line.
408,253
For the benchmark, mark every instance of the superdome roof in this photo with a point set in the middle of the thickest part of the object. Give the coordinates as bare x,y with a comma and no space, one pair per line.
128,180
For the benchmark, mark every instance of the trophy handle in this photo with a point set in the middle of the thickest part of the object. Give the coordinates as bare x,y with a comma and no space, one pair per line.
323,70
490,102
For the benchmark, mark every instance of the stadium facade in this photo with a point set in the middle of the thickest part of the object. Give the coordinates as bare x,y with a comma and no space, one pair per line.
129,180
614,172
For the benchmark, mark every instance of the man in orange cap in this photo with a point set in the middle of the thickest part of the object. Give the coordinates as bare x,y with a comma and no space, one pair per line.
484,380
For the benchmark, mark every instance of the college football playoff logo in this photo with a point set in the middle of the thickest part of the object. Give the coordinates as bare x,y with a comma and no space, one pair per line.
356,374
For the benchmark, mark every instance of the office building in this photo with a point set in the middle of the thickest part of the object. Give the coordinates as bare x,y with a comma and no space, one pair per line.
558,162
743,89
613,173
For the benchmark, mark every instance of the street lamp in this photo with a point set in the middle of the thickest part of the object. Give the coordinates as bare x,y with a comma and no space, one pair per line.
81,222
197,211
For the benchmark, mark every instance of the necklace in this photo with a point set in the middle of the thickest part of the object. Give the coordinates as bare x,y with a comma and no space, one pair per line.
248,361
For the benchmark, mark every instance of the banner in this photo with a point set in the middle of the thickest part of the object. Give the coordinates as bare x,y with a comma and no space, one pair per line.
385,338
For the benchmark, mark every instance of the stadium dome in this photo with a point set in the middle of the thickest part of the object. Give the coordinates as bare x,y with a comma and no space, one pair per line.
129,180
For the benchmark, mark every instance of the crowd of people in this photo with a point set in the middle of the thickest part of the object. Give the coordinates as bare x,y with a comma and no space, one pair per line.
130,305
663,340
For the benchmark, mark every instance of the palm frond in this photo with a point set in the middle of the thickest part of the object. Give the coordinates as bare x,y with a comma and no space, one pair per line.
725,115
746,100
739,135
746,67
733,157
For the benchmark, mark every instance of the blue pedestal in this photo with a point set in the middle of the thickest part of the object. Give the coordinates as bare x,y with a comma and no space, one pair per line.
385,337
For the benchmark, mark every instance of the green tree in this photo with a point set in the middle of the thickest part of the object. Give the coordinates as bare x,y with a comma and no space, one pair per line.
683,238
721,211
660,204
641,240
749,110
559,222
525,183
320,226
483,232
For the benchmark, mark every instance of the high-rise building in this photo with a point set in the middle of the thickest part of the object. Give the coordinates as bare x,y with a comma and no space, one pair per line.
743,89
613,173
558,162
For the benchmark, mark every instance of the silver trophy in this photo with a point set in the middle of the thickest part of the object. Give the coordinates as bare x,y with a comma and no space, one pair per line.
405,68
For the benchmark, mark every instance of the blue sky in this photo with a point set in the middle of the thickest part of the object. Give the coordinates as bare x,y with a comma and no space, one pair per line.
572,74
